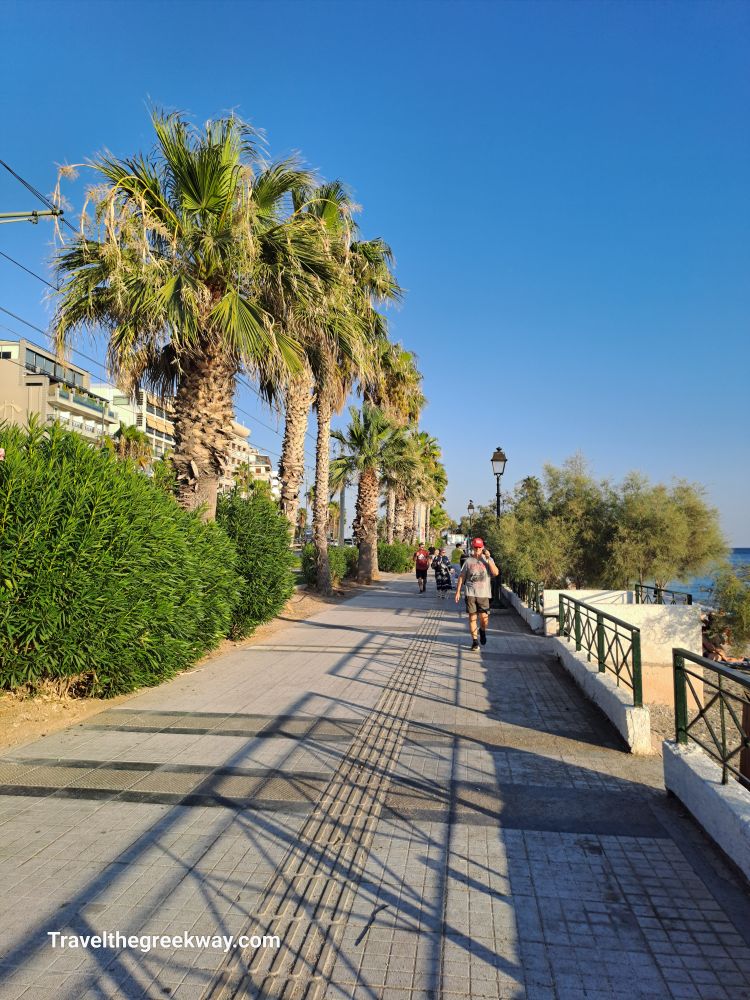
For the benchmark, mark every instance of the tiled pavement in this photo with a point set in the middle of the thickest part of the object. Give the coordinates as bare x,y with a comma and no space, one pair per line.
419,822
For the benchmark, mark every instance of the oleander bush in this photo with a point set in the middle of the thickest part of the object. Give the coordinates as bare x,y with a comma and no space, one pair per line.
261,535
397,557
106,584
342,560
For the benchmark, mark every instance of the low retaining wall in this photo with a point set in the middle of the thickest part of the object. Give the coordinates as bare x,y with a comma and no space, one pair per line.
633,724
722,810
533,619
604,597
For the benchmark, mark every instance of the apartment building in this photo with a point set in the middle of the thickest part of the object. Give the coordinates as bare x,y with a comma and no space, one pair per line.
145,411
34,381
240,452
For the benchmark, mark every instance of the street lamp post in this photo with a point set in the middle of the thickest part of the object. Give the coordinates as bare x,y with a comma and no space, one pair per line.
498,461
470,509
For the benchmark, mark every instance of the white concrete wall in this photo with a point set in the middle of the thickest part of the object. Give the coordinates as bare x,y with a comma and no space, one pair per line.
722,810
664,626
533,619
633,724
604,597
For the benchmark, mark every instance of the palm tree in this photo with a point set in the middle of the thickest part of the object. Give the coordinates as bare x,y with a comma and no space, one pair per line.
243,476
132,444
363,443
301,523
400,467
337,337
196,268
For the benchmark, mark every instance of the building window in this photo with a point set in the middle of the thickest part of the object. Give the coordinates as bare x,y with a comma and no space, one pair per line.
5,355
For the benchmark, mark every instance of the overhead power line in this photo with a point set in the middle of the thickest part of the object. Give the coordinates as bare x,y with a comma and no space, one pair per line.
28,271
38,194
259,445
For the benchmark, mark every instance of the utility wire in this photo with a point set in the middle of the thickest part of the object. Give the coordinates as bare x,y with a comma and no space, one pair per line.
44,333
38,194
29,271
259,445
49,204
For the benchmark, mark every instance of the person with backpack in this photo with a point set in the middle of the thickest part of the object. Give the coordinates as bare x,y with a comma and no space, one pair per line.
422,562
475,580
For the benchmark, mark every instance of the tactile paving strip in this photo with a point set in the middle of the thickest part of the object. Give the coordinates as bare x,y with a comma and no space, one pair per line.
308,898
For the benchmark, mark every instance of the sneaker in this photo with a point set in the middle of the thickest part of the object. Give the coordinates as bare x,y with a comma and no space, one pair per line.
474,646
483,637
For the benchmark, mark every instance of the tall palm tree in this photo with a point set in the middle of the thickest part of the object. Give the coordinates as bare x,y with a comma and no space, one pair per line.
400,468
337,336
194,265
363,444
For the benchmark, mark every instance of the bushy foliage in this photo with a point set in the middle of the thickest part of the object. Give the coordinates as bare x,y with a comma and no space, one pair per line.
731,596
105,583
264,560
395,558
571,526
342,561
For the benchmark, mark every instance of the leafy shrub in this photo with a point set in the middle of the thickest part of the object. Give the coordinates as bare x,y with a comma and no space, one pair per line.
106,584
342,561
395,558
261,536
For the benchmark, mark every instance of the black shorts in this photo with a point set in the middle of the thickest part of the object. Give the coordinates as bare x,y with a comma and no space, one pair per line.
421,574
477,604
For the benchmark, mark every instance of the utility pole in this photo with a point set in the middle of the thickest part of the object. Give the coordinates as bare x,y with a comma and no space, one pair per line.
32,217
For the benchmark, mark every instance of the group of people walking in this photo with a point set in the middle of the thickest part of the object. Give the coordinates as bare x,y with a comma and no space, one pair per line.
474,578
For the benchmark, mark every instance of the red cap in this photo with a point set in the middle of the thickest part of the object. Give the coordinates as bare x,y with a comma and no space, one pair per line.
477,543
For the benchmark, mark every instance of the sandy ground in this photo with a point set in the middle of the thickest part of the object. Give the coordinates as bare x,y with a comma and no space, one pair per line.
26,719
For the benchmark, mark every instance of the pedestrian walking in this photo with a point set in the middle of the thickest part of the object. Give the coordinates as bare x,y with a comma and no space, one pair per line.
422,564
443,573
475,581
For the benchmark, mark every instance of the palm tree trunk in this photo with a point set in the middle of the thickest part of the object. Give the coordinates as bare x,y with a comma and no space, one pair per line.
390,516
322,486
367,515
292,464
427,522
400,518
203,415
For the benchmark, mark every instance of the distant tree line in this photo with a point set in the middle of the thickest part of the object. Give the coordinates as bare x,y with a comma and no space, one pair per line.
570,527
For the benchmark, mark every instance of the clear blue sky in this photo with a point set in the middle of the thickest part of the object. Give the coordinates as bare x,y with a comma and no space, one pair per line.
565,187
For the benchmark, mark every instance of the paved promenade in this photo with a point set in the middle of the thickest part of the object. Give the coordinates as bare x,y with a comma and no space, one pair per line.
412,820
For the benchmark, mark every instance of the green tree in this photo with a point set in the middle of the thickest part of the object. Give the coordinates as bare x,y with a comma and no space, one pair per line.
163,474
193,265
663,534
362,444
243,476
129,443
731,596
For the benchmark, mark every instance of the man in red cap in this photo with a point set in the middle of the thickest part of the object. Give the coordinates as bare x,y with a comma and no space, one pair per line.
475,581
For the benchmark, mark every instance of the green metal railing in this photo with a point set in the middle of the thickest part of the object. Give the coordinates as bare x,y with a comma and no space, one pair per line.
529,591
721,723
614,643
659,595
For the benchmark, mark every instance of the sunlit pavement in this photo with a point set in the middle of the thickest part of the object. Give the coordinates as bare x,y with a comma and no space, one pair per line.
412,820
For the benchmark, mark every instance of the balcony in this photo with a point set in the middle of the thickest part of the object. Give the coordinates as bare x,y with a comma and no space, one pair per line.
89,429
81,404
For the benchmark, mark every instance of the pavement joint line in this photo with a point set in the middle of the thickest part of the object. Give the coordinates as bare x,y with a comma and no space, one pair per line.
308,944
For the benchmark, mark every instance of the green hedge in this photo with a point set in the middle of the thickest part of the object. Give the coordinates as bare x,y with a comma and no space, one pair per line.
261,536
342,560
395,558
105,583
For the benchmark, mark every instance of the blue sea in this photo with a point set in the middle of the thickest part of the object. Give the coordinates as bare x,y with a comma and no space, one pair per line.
700,586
